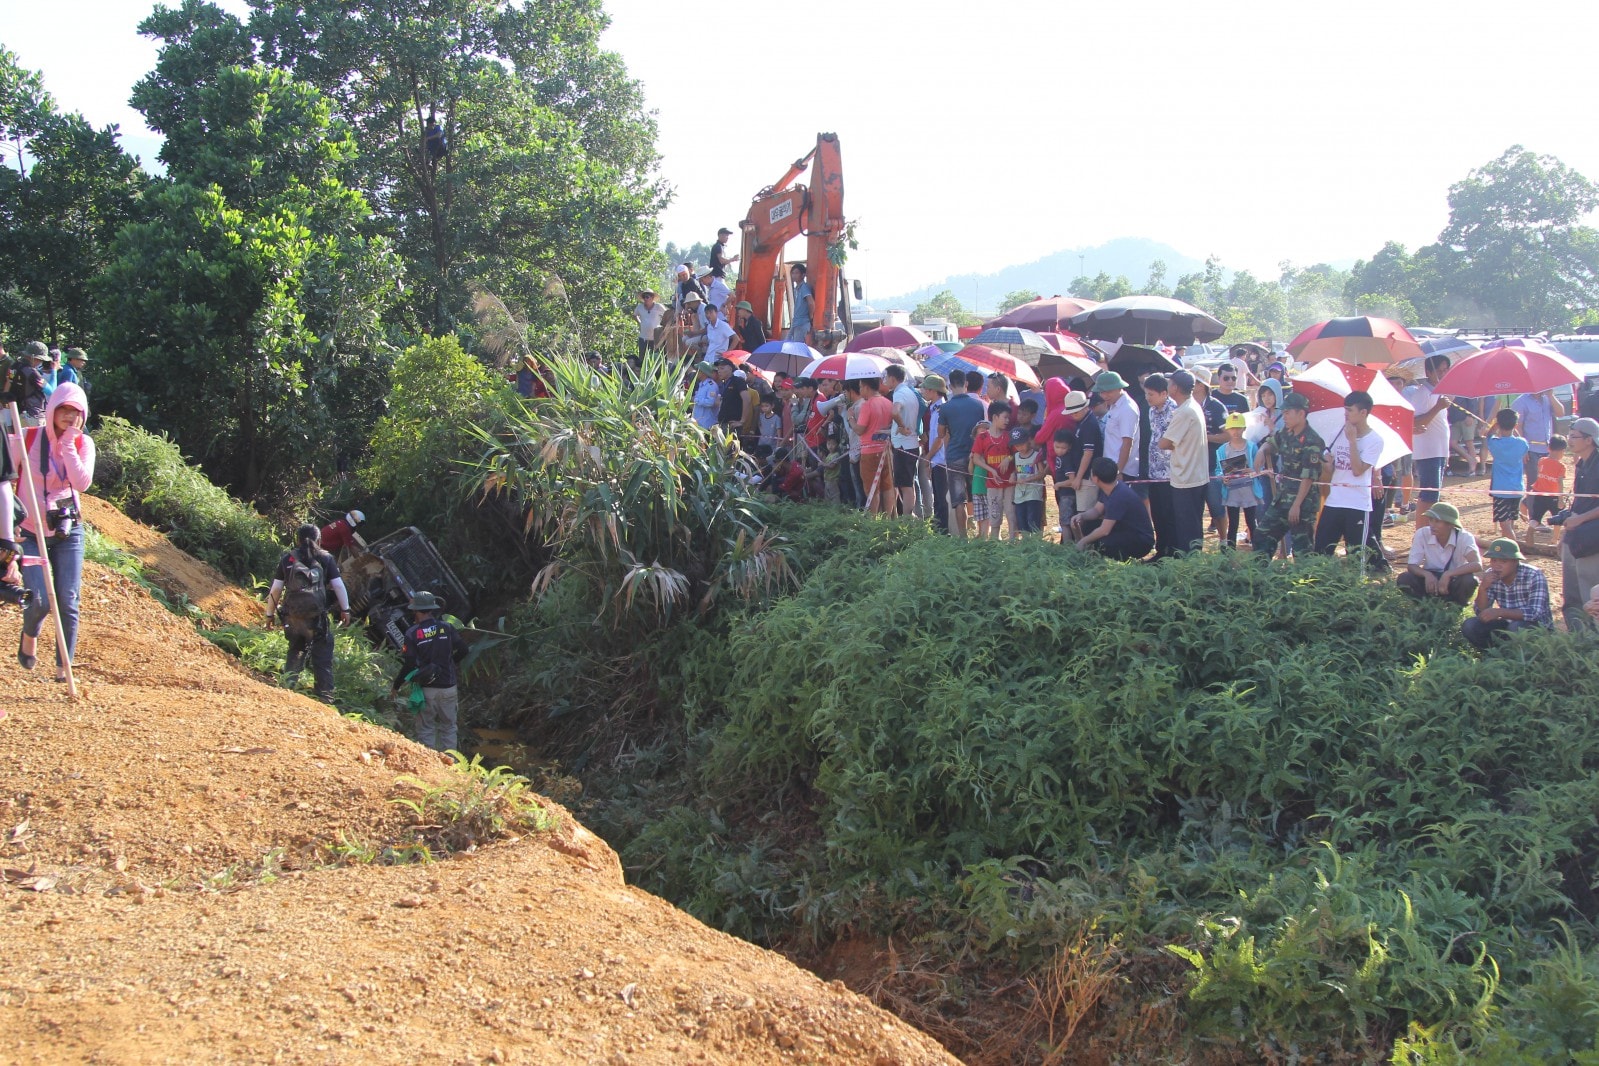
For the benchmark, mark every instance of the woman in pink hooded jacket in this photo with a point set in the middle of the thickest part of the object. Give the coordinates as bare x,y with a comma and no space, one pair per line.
61,457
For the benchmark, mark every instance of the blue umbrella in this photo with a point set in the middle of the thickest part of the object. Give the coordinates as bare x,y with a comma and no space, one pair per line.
1453,347
784,357
1011,335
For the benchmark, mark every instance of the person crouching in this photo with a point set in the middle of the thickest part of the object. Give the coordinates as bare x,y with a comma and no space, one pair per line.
432,648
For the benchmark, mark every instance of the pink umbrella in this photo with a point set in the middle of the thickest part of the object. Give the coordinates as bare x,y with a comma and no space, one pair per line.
1499,371
1012,367
1327,383
1048,314
846,366
888,337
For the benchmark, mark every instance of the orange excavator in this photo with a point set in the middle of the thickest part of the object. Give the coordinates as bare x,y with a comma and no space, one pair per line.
782,212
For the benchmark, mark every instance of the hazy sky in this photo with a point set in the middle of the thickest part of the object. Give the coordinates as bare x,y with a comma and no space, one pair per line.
975,136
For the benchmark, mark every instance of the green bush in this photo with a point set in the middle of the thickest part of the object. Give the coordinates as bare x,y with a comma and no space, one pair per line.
147,478
361,673
1347,824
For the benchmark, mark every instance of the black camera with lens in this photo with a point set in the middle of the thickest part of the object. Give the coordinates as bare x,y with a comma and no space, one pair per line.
15,595
61,517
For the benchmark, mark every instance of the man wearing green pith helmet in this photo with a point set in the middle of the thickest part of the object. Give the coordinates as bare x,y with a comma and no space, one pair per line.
1294,452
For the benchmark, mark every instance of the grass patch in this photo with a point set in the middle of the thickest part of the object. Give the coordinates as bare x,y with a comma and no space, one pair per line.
473,805
98,549
361,673
146,476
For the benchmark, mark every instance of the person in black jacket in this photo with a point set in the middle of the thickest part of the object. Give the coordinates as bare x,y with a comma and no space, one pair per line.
307,582
432,648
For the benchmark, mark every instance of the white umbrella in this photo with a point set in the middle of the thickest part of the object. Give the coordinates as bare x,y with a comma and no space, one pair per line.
1327,383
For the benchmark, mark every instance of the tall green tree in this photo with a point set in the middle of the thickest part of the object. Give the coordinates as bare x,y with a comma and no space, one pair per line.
1016,299
946,306
1516,240
70,189
1101,287
549,183
254,295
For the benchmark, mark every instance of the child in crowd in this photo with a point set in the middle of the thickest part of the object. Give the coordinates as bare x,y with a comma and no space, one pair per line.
832,464
768,428
1026,423
1509,452
1550,486
787,478
1028,495
1061,472
980,513
1235,465
991,454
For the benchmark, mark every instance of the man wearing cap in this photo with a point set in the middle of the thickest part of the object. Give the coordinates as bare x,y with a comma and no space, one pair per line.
428,656
1184,442
751,330
719,263
1579,574
707,395
27,381
649,315
1294,453
340,534
1444,558
1513,596
1121,424
71,369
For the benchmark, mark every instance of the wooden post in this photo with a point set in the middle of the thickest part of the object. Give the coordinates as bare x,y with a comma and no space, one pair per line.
36,507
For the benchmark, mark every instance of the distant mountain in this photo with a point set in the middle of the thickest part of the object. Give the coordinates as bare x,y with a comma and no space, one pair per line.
1052,274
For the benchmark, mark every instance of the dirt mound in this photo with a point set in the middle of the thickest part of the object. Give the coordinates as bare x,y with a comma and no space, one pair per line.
174,570
177,770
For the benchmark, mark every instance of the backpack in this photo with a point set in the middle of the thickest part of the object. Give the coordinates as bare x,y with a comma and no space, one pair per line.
305,588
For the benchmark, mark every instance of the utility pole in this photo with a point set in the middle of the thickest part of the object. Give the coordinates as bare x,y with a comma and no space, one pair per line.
1081,270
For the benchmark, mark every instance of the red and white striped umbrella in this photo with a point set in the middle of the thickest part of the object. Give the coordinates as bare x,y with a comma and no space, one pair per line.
1326,385
846,366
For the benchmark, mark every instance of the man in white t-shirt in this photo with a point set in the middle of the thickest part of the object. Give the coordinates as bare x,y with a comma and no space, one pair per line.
649,313
1444,559
1121,423
1430,447
717,334
1350,466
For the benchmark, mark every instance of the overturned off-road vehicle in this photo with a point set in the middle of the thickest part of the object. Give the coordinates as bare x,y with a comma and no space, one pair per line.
383,576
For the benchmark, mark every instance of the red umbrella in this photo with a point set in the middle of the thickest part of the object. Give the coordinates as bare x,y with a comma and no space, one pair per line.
1362,339
888,337
1046,315
1327,383
1009,365
740,358
1499,371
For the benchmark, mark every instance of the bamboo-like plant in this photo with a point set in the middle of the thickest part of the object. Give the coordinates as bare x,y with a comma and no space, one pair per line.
657,515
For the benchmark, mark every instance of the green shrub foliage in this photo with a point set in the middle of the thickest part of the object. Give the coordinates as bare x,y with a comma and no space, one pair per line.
1353,830
146,476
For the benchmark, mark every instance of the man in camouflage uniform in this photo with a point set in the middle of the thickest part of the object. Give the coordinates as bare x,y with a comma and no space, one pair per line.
1297,452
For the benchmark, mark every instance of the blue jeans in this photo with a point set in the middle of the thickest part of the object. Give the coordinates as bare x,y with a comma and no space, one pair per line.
66,565
1030,516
